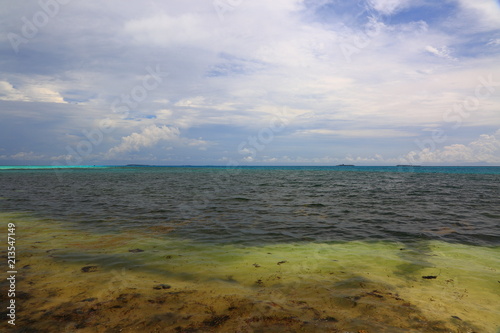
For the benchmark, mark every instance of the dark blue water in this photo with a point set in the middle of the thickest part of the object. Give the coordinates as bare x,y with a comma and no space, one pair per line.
261,205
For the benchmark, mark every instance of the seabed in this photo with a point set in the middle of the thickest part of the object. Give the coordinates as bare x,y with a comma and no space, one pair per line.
70,280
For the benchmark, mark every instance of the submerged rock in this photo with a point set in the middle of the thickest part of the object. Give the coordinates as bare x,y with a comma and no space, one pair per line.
88,269
162,286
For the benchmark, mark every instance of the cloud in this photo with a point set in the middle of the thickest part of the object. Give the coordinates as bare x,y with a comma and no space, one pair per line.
197,102
324,160
388,7
494,42
32,156
479,15
230,76
486,149
9,93
357,133
23,156
151,136
442,52
166,30
30,92
148,137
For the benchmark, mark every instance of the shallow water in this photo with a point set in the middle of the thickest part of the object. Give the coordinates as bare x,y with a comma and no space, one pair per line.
270,251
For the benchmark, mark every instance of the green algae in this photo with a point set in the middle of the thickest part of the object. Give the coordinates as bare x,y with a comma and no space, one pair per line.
306,281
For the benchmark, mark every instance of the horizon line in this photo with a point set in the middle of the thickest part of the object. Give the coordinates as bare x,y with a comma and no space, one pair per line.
236,166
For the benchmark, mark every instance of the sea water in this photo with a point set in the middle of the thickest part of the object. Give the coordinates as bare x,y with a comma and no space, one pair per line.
267,249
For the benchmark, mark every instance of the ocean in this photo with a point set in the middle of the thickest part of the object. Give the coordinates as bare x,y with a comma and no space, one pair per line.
253,249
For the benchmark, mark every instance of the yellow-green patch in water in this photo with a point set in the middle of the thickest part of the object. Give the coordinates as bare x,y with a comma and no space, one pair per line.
72,279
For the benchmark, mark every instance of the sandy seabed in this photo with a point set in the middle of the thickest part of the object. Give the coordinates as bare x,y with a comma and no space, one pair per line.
69,280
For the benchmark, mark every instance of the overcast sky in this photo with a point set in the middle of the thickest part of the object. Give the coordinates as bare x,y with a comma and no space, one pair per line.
250,82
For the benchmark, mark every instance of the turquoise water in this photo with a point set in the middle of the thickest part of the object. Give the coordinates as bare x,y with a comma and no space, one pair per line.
418,169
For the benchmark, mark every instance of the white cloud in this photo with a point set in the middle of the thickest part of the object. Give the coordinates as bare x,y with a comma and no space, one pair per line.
30,92
358,133
166,30
151,136
486,149
43,94
481,15
9,93
324,160
494,42
24,156
442,52
196,102
147,138
388,7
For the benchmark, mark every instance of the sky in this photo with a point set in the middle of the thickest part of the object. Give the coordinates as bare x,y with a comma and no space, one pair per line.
250,82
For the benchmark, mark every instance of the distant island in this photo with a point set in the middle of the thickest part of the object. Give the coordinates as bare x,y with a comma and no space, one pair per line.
346,165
